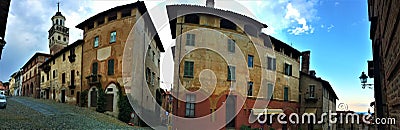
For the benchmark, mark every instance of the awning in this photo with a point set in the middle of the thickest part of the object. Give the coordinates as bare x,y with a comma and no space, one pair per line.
311,110
266,111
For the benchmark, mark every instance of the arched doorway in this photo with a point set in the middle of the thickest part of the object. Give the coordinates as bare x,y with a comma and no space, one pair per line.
92,97
111,97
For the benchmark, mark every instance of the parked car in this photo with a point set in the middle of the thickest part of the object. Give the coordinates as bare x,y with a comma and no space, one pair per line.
3,101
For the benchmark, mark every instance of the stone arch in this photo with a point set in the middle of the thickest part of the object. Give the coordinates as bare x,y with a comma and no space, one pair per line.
112,96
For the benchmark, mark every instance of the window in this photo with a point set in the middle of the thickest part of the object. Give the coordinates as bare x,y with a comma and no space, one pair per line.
192,18
110,67
63,78
288,69
48,76
113,17
95,66
271,63
250,59
113,37
72,92
250,89
96,42
190,39
286,94
153,76
231,73
312,91
188,72
231,45
126,13
54,74
270,90
59,38
65,39
64,57
224,23
100,22
72,77
42,79
148,72
190,105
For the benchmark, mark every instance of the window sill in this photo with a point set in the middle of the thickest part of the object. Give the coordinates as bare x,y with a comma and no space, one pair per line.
188,76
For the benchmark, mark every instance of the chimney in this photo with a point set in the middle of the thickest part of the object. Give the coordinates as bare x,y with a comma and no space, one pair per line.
305,62
210,3
312,73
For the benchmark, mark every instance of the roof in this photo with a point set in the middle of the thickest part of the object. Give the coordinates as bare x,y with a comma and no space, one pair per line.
279,44
174,9
37,54
142,9
139,4
324,83
62,51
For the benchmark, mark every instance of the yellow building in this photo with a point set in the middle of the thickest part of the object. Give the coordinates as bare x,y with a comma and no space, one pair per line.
221,54
61,75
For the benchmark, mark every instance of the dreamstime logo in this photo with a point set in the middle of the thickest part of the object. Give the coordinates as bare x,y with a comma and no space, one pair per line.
211,47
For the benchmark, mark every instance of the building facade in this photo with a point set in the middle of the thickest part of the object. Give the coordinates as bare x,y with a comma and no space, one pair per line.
31,75
4,8
105,36
218,43
317,97
17,83
384,34
61,75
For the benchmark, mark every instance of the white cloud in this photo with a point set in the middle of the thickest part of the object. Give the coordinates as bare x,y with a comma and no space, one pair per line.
294,17
337,4
330,27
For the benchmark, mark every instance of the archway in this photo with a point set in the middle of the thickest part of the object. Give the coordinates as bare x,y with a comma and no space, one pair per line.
92,97
111,97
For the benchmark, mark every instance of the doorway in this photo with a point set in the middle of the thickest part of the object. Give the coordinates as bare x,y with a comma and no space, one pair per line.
62,96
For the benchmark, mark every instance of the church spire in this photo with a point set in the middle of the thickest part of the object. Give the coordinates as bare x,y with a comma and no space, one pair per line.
58,6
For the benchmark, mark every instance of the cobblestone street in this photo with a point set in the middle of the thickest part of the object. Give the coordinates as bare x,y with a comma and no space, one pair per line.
28,113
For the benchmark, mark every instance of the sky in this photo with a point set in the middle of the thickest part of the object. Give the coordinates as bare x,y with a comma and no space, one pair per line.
335,31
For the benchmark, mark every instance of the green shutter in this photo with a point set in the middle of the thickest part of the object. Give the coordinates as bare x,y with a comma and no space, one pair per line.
111,67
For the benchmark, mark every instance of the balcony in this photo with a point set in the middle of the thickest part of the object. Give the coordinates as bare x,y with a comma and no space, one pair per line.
93,79
311,99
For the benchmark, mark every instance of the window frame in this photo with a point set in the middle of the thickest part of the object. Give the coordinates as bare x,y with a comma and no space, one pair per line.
188,73
190,105
311,91
96,42
250,64
231,76
190,39
250,86
111,67
286,93
113,37
231,45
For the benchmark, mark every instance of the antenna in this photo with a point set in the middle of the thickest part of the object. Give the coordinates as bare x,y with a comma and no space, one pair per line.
58,6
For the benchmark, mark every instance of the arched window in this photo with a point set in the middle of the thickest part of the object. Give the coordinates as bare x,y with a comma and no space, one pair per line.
224,23
61,22
56,21
192,18
59,38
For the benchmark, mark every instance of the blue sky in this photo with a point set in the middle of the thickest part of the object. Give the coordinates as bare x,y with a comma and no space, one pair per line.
335,31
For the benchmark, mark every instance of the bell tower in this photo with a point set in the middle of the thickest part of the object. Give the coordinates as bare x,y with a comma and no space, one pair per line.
58,33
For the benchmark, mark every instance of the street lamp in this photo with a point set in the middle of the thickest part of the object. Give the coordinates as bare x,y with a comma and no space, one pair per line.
363,79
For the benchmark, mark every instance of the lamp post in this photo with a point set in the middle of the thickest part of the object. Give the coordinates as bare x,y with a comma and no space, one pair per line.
363,79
